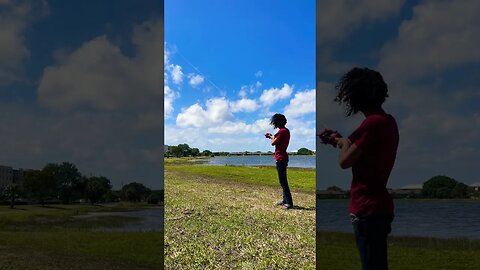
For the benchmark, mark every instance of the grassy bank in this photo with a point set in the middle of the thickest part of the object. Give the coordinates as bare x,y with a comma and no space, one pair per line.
224,218
338,251
36,237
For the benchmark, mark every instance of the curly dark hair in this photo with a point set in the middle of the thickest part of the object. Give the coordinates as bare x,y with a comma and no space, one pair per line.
278,120
360,89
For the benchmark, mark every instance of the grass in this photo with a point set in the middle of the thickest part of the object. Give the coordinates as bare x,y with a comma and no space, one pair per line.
53,239
300,179
338,251
224,218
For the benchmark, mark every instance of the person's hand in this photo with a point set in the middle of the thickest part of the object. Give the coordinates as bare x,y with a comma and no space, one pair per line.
329,136
268,135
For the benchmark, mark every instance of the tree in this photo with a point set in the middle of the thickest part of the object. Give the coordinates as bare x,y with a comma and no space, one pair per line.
207,153
195,152
334,188
97,187
135,192
439,186
459,191
176,151
185,149
67,178
11,191
39,185
304,151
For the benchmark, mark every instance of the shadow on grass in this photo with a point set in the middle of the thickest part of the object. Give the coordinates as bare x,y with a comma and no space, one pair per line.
297,207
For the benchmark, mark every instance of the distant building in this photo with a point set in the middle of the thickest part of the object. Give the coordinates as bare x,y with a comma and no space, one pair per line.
6,175
475,186
9,175
412,190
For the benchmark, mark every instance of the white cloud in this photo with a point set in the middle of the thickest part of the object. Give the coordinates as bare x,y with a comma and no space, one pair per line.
195,79
338,18
259,74
100,76
243,91
217,112
244,105
169,97
177,74
260,126
14,19
272,95
258,84
440,35
302,103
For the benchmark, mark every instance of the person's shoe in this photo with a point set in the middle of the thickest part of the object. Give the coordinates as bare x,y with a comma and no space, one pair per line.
280,203
287,206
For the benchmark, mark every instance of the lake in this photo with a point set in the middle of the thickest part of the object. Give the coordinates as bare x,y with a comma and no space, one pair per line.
151,219
264,160
436,218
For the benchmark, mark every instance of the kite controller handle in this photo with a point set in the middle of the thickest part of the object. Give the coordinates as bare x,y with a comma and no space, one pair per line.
268,135
328,136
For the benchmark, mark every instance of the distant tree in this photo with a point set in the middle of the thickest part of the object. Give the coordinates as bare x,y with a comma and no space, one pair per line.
176,151
185,149
96,187
207,153
459,191
11,192
439,187
135,192
39,185
304,151
195,152
334,188
68,179
154,198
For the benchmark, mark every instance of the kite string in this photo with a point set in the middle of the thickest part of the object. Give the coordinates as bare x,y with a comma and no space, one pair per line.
199,72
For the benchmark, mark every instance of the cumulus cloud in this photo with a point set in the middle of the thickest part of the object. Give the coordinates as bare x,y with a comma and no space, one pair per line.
217,111
440,35
272,95
302,103
176,73
338,18
230,127
169,97
14,19
259,74
195,79
244,105
98,75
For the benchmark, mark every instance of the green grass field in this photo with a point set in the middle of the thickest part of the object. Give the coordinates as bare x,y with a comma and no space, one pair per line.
35,237
338,251
223,217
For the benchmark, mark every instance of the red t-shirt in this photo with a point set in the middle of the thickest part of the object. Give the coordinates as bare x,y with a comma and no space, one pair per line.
283,136
377,137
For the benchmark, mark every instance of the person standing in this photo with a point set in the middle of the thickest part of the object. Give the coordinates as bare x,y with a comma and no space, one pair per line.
281,140
371,152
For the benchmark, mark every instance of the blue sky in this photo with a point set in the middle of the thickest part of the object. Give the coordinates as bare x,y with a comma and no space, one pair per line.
427,53
230,65
81,82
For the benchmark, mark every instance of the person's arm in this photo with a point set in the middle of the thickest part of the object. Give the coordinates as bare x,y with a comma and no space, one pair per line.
349,153
274,139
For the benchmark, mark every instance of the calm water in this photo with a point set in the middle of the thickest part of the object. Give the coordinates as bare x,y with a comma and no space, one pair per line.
152,219
267,160
440,219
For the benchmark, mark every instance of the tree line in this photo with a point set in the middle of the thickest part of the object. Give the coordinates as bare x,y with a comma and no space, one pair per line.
184,150
64,183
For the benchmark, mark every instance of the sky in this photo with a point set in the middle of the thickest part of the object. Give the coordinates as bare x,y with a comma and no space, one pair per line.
427,52
80,81
231,65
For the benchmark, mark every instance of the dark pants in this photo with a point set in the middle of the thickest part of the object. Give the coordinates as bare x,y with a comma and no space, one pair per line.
282,178
371,236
